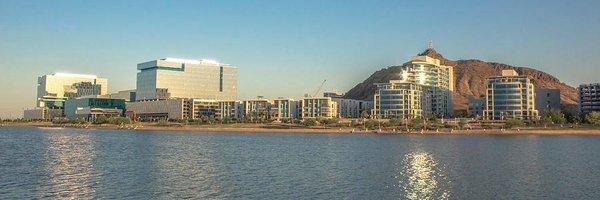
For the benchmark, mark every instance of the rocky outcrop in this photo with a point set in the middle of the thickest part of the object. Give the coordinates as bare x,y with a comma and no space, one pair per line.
469,79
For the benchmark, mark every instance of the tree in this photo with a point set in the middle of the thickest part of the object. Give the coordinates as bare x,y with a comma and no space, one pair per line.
364,114
417,123
310,122
593,118
100,119
371,123
553,116
513,122
394,122
462,122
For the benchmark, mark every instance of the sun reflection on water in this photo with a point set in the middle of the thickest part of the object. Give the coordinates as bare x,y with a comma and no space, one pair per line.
421,178
68,161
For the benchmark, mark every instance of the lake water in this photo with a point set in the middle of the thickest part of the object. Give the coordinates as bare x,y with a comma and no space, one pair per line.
83,164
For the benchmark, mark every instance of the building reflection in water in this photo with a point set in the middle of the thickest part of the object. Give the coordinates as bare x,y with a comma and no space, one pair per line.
68,163
421,178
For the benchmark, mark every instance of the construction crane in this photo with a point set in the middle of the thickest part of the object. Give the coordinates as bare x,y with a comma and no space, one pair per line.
319,88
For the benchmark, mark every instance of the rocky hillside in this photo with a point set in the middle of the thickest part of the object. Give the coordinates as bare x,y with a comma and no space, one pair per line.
470,76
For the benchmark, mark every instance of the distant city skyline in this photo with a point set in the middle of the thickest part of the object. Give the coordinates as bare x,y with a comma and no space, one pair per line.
286,48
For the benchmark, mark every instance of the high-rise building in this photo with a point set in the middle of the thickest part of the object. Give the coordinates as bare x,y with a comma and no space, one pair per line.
313,107
424,87
182,78
54,89
589,98
547,99
510,96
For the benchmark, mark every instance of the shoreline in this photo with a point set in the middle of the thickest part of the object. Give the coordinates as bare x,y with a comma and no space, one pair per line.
258,128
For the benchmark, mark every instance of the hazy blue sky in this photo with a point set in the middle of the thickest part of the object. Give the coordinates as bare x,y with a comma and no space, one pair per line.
286,48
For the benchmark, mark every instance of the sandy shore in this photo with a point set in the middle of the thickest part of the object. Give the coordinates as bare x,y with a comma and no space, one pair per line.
259,128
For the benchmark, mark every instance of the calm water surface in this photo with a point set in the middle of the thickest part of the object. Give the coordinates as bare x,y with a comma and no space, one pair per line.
84,164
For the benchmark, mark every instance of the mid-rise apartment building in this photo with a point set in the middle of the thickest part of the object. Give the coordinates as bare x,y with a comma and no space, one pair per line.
181,78
284,108
230,109
547,99
510,96
589,98
313,107
257,109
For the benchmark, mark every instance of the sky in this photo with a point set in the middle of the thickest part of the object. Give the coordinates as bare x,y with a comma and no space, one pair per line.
287,48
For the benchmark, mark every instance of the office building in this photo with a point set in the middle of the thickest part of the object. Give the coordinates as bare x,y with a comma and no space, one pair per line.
284,108
424,86
54,89
42,113
322,107
181,78
547,99
589,98
510,96
127,95
90,108
173,108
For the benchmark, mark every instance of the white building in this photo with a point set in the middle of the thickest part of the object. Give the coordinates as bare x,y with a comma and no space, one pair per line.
180,78
510,96
424,81
313,107
284,108
51,88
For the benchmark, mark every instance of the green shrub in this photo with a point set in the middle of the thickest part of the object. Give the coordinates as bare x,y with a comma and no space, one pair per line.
593,118
310,122
513,122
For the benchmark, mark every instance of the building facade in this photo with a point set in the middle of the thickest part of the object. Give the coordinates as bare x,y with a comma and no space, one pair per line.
313,107
589,98
547,99
257,109
90,108
510,96
476,106
424,86
173,108
127,95
352,108
54,89
181,78
42,113
230,109
284,108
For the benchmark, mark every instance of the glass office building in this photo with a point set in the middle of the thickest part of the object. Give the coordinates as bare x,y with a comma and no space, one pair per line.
54,89
91,107
424,86
181,78
510,96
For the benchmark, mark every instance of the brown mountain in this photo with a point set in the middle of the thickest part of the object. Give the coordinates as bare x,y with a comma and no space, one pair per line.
469,79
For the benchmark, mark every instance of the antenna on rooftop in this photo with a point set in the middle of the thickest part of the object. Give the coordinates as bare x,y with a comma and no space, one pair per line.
430,44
